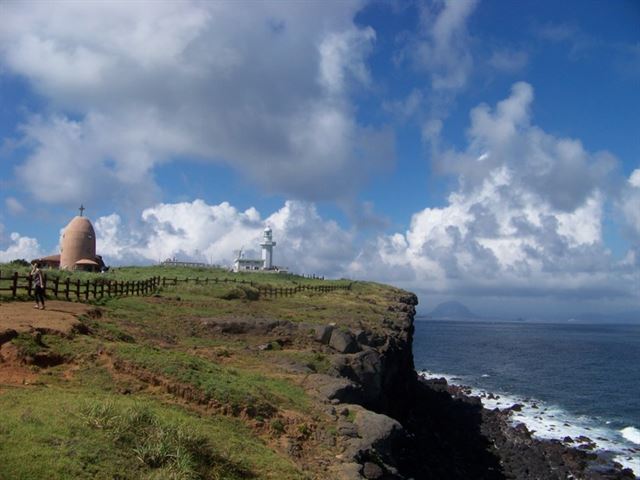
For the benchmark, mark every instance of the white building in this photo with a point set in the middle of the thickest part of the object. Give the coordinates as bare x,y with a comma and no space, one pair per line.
242,264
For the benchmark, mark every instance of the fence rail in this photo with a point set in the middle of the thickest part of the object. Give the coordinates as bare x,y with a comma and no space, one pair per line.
99,287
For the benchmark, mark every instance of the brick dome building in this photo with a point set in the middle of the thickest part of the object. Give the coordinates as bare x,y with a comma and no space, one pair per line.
77,248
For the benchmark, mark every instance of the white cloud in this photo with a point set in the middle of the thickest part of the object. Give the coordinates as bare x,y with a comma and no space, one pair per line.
19,247
539,163
264,90
342,54
306,243
526,219
443,49
630,204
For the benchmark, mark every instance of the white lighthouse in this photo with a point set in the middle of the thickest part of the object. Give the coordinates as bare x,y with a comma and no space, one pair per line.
267,249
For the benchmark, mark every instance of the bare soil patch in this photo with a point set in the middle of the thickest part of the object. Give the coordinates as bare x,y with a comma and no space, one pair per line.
58,316
12,371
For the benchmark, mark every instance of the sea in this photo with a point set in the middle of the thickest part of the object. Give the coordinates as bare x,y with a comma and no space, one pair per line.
572,379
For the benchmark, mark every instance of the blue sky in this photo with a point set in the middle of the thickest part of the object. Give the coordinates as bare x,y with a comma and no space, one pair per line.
475,150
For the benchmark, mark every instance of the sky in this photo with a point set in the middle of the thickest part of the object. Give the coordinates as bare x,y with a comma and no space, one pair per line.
483,151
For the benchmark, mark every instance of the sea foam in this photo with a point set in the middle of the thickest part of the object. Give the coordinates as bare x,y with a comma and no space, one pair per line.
547,421
632,434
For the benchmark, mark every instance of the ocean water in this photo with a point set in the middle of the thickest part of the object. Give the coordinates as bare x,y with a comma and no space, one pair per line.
573,379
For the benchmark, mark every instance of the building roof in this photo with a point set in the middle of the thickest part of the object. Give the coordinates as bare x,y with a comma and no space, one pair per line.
50,258
80,224
86,261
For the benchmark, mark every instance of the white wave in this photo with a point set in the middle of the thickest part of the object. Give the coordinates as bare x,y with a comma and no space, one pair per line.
547,421
452,379
632,434
485,375
629,460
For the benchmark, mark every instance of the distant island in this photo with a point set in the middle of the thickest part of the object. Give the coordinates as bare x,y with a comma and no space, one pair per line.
452,310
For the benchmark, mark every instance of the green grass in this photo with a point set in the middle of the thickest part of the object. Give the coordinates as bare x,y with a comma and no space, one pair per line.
256,394
79,434
85,422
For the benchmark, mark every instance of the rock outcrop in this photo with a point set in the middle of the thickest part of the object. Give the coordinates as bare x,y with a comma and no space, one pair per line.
400,426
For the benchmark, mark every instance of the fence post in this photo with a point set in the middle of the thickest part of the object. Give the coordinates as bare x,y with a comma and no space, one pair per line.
86,290
14,286
95,288
78,289
56,284
29,284
102,290
66,288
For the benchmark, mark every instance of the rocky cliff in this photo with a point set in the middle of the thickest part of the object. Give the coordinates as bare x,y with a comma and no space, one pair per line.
407,427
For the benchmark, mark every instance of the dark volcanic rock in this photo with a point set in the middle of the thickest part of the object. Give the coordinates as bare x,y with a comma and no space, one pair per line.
343,342
406,427
322,333
372,471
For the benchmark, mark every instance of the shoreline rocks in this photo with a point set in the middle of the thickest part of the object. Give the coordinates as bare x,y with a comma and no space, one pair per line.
407,427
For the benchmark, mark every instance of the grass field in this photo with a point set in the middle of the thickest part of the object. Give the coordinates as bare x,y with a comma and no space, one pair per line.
157,389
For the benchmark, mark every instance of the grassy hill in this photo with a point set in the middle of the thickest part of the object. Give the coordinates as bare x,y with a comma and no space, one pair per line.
193,381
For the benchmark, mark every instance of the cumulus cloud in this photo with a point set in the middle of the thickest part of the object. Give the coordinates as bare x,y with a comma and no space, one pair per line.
306,243
525,220
264,90
558,171
17,246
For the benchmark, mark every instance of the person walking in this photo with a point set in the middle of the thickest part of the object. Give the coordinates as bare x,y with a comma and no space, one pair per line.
38,284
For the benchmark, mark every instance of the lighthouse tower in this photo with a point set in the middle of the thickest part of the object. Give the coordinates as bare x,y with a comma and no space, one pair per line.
267,249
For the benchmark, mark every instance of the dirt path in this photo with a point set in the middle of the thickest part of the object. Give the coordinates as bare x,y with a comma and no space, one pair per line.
22,317
59,315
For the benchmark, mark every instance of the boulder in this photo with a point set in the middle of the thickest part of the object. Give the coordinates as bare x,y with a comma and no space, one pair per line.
335,389
343,342
377,430
378,436
322,333
372,471
346,471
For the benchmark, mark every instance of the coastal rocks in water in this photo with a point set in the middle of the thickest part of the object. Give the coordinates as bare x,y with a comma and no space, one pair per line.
343,341
372,471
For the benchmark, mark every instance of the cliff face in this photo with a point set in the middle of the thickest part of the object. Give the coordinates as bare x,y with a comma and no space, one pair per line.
406,427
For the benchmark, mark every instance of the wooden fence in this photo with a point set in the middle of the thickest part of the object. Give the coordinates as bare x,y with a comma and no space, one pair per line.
99,287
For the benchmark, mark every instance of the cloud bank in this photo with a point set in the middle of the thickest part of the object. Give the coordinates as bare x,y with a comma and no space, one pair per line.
265,90
526,221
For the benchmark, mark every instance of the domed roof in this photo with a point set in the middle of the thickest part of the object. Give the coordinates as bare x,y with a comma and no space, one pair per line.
80,224
267,228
